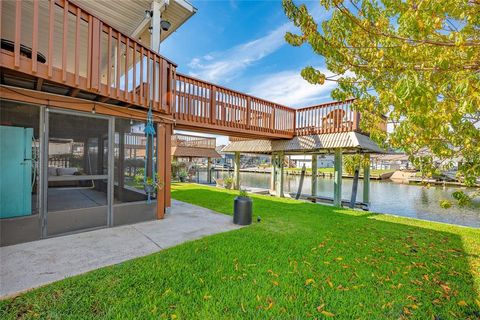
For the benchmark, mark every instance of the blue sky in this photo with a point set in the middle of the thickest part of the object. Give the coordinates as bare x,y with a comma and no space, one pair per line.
240,45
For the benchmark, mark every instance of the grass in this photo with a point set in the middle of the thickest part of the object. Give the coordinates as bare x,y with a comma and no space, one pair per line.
301,261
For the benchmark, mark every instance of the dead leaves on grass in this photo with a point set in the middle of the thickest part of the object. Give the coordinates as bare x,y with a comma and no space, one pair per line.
326,313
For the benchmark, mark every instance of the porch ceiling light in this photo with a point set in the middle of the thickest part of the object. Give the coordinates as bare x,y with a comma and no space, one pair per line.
165,25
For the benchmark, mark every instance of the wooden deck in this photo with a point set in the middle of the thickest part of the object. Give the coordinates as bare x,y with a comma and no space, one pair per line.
57,47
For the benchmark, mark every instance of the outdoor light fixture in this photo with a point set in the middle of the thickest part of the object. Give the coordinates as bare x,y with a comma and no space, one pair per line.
165,25
93,110
148,14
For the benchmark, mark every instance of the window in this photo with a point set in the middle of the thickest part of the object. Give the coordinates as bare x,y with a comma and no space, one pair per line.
130,161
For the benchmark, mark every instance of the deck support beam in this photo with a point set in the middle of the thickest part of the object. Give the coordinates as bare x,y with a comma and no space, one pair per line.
366,179
209,170
273,173
337,189
353,198
236,171
168,166
164,156
278,163
314,174
155,25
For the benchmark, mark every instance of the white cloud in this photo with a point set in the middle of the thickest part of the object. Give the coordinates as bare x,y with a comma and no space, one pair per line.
207,57
290,89
226,65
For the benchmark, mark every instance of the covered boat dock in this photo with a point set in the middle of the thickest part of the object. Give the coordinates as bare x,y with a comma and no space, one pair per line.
316,144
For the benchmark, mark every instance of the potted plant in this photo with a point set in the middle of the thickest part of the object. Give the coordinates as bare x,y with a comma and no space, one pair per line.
151,185
182,175
242,209
227,182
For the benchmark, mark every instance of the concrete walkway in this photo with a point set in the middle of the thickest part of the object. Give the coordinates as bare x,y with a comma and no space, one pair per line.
33,264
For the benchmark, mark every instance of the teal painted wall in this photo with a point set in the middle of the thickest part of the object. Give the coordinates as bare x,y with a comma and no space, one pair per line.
15,171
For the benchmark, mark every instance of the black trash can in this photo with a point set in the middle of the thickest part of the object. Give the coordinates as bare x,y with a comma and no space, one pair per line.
242,211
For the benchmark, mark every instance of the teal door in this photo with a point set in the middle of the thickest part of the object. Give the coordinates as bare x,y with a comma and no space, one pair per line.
15,171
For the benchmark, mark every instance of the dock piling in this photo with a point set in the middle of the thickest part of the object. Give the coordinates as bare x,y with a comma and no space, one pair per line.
337,189
314,174
236,172
366,179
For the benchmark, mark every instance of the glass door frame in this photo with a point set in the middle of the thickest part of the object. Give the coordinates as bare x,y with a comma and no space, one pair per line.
44,146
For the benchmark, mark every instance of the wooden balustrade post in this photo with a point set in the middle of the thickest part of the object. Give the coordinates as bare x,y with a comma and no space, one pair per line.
18,32
34,37
294,124
356,121
248,117
272,119
170,89
174,90
95,53
213,105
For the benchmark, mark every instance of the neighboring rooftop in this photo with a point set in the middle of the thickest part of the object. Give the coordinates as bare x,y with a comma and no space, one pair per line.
317,143
184,145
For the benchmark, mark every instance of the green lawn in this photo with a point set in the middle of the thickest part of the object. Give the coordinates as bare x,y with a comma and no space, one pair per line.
301,261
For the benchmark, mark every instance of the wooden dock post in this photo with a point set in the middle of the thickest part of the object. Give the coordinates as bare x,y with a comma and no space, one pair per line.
209,170
300,185
366,179
279,174
353,198
337,189
314,174
236,171
273,172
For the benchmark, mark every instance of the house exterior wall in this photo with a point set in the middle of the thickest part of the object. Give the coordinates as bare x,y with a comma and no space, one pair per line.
322,162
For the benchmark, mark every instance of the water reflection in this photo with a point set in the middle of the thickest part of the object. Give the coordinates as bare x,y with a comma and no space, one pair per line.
386,197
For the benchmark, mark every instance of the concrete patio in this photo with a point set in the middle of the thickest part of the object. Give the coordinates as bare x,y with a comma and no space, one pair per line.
33,264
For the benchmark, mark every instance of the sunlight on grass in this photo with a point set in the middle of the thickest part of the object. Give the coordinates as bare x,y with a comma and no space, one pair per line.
302,261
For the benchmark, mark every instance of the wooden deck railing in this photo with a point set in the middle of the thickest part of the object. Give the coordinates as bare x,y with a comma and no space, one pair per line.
60,42
329,117
185,140
212,106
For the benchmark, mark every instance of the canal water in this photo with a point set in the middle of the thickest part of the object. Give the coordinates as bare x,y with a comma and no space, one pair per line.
385,197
